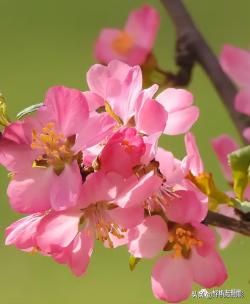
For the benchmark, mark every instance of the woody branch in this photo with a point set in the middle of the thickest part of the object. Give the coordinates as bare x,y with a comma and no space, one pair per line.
192,48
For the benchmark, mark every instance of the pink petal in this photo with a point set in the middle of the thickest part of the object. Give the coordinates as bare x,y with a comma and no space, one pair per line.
65,188
181,121
148,123
127,217
151,143
242,102
100,186
11,153
226,236
174,100
57,229
122,152
22,232
94,131
208,271
207,236
195,164
246,134
149,238
104,51
185,208
29,191
143,25
224,145
69,107
99,75
135,192
94,101
236,63
171,279
81,251
169,166
178,104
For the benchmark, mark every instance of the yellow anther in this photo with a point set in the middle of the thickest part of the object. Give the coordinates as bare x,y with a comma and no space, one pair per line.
123,43
55,148
181,240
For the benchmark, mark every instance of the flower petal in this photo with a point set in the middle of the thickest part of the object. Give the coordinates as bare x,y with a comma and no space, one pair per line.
242,102
208,271
224,145
185,208
236,63
171,279
70,109
24,187
57,229
135,192
81,251
149,238
65,188
143,24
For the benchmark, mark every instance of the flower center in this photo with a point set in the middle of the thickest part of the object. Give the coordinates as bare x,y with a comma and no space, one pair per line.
123,43
104,226
55,148
181,241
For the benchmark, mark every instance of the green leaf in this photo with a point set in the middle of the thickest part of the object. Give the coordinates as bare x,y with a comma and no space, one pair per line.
133,261
240,164
29,110
242,206
4,120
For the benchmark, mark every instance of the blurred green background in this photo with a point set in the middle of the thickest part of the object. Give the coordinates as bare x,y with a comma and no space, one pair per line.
46,43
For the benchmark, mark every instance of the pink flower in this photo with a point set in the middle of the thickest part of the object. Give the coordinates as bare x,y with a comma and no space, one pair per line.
68,236
42,151
132,44
236,63
122,152
121,87
192,255
194,261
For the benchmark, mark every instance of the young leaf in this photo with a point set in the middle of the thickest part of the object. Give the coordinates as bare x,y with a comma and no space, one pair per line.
28,110
4,120
133,261
240,164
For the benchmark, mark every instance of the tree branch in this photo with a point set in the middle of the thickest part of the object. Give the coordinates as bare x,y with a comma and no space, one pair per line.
222,221
192,47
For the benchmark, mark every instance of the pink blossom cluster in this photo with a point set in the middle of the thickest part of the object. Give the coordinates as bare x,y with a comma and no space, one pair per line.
86,167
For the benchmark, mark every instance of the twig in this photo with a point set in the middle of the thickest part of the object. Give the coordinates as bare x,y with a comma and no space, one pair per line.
192,46
222,221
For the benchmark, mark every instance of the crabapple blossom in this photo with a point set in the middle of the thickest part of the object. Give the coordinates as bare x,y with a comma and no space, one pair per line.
50,145
133,43
92,170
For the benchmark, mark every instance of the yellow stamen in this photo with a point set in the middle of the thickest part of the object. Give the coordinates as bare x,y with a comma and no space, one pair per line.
123,43
55,148
182,240
104,225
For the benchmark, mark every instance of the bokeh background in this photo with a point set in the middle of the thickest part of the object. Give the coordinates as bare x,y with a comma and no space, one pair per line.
46,43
